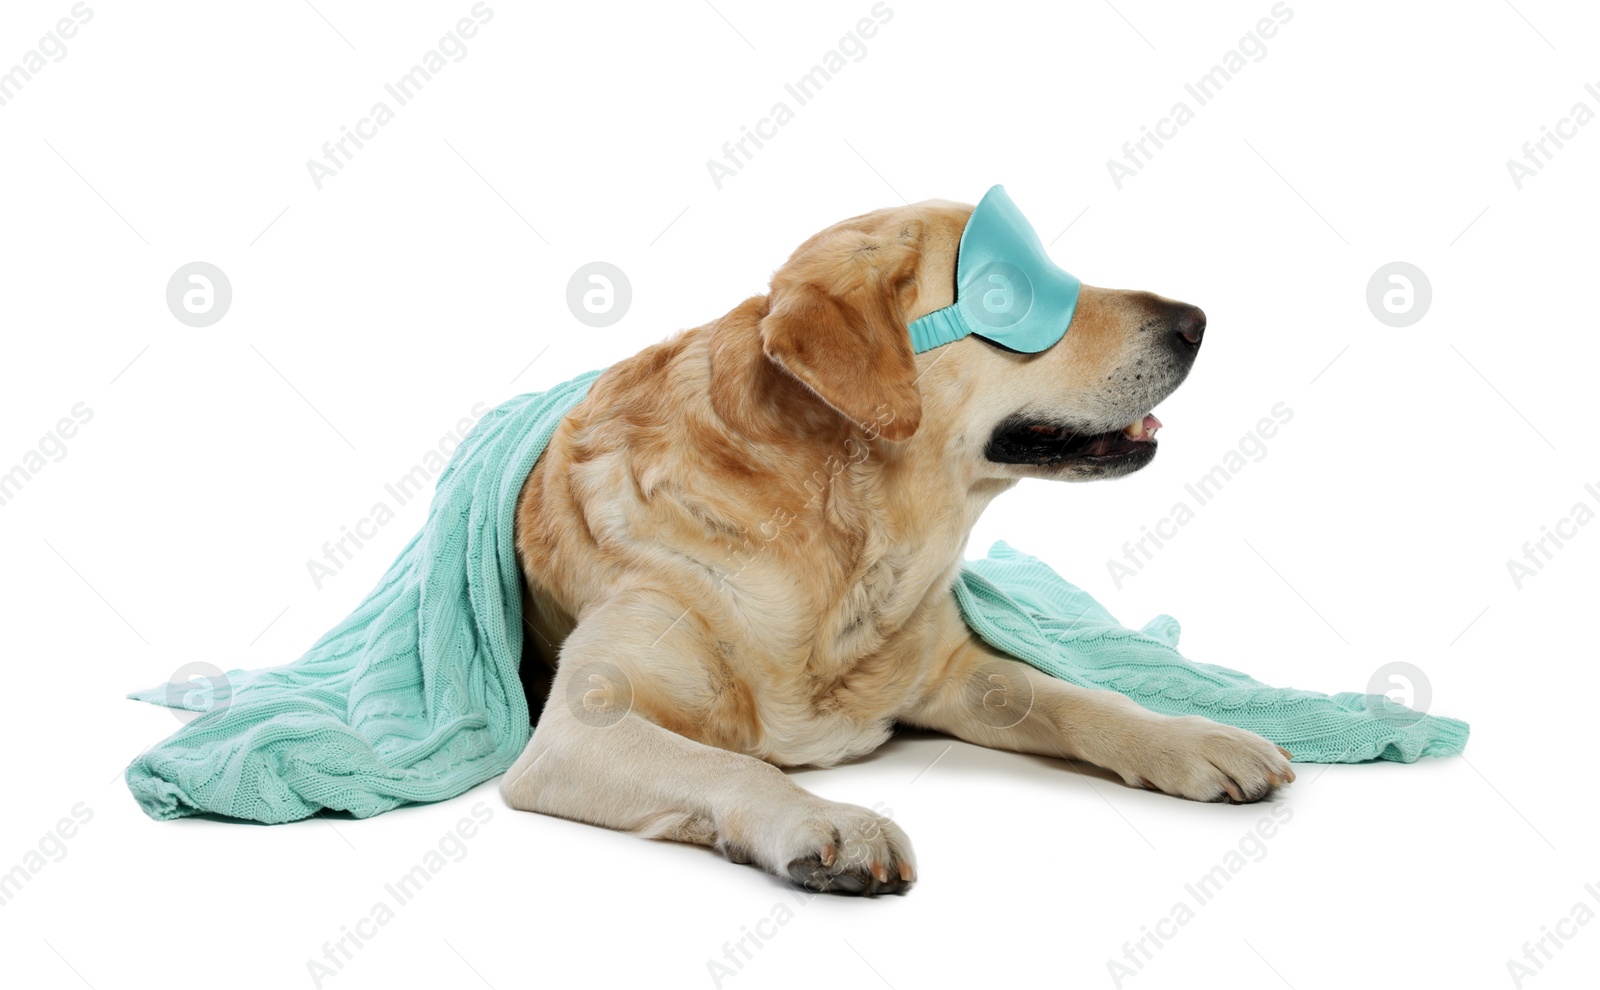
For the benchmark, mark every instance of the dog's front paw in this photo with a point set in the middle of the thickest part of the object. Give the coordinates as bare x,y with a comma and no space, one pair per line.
1202,760
846,849
834,849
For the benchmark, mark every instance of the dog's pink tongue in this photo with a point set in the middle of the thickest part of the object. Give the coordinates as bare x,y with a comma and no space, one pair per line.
1144,429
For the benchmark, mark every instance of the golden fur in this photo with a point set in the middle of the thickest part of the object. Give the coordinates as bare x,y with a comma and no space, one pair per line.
739,547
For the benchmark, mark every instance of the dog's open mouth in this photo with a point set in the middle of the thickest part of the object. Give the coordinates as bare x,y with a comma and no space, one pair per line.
1021,440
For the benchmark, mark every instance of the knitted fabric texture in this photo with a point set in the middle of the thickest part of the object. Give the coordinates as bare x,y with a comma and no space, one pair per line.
1021,607
415,696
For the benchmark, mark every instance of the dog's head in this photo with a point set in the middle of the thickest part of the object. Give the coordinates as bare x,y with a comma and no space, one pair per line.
838,320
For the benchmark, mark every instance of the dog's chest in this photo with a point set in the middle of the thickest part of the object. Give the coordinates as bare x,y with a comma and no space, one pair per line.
843,668
801,736
872,606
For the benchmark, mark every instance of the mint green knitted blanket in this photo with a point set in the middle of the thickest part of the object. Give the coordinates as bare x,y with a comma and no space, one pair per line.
415,696
1018,605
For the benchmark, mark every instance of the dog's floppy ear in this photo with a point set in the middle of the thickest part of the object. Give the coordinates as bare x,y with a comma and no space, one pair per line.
836,322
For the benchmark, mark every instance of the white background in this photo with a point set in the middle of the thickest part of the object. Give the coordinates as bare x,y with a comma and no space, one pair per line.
371,315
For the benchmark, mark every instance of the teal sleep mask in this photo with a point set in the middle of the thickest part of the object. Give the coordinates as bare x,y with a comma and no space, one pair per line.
1008,291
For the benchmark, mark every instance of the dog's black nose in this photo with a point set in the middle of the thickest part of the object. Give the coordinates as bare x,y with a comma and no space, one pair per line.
1190,324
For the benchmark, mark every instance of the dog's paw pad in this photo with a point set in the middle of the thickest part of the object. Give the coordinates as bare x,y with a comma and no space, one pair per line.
813,874
853,851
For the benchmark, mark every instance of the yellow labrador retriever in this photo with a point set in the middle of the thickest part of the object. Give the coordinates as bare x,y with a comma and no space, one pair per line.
739,550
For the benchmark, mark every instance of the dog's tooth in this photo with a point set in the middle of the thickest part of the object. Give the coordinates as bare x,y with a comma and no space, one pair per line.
1142,428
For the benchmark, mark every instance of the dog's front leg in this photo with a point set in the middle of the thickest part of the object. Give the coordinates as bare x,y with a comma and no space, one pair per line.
985,697
600,755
